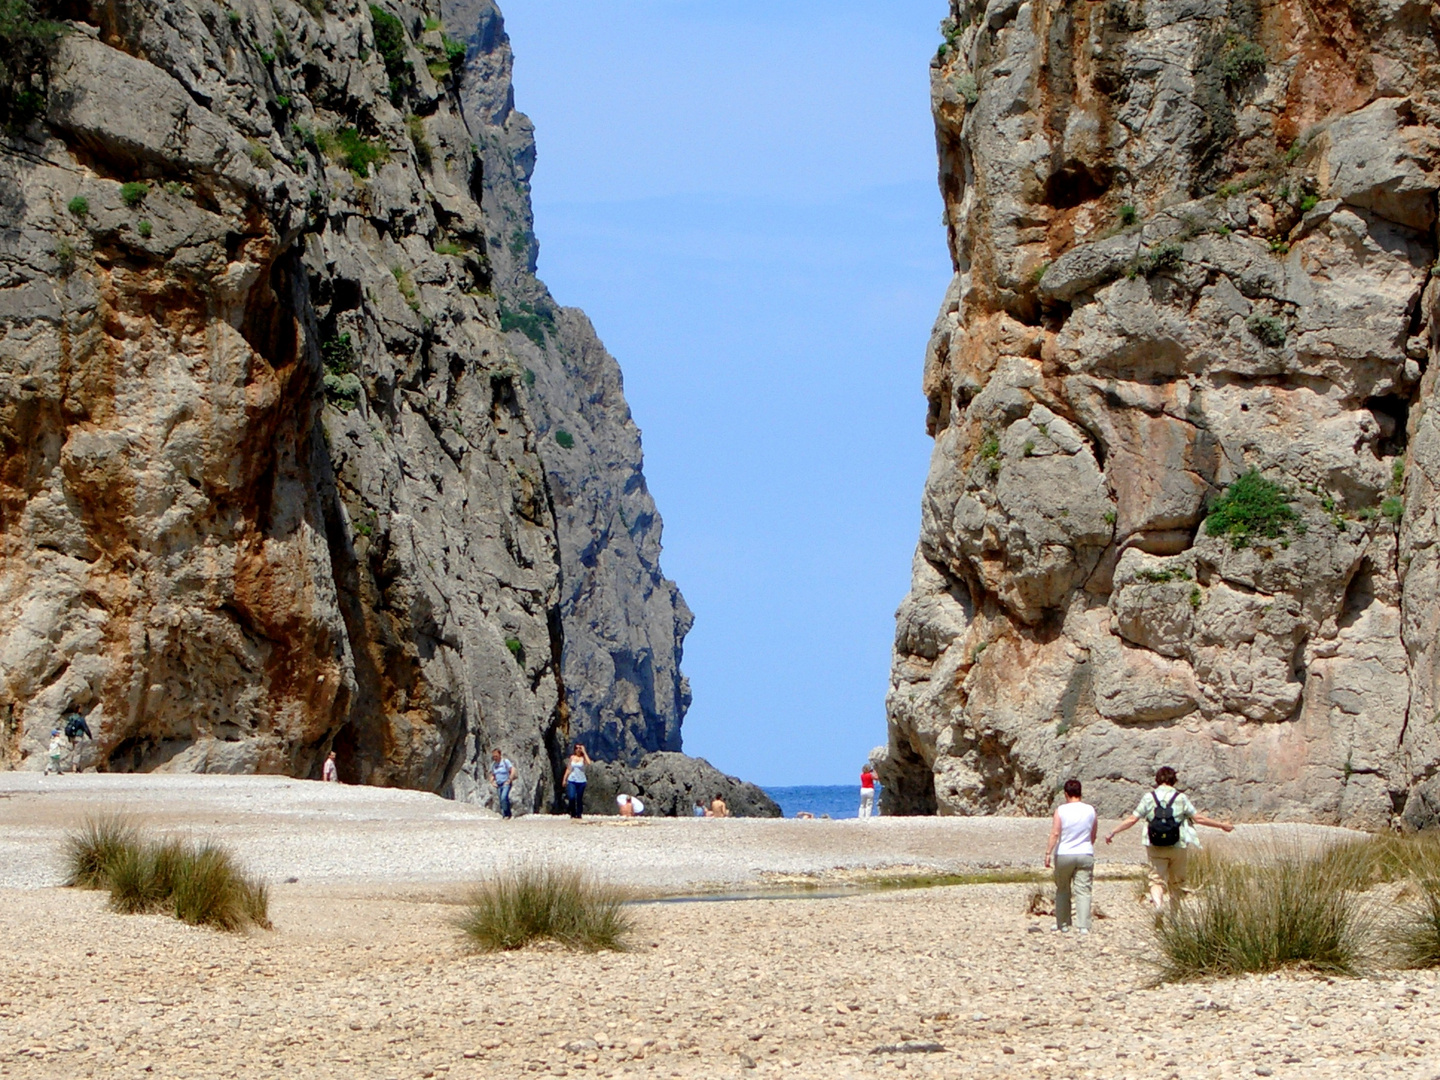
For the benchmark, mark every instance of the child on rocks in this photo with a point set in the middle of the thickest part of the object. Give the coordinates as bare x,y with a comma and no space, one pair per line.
58,746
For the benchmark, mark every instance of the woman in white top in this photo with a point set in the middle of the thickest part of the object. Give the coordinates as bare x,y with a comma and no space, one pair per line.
1072,847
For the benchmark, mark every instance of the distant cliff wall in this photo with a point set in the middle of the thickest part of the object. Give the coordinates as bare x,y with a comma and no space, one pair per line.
276,477
1181,507
624,621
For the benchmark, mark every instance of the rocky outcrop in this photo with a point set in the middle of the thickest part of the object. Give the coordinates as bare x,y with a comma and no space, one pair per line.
624,622
670,784
1181,507
271,472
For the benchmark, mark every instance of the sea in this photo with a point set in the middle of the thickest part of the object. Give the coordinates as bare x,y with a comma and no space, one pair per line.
835,800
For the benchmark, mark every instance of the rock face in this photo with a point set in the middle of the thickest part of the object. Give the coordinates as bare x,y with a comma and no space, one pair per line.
273,478
1193,245
624,621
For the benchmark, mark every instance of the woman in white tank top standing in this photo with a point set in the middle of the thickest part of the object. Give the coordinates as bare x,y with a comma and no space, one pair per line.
1072,848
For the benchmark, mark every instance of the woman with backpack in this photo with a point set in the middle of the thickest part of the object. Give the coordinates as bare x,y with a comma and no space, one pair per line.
1170,819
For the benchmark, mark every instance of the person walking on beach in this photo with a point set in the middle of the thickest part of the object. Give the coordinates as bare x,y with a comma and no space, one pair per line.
1072,847
502,775
1170,819
331,773
574,780
58,746
867,791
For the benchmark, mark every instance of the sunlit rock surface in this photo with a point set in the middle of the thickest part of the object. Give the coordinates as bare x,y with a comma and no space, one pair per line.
277,474
1190,240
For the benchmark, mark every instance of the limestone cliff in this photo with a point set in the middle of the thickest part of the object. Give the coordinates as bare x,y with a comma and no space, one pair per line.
273,478
624,621
1181,508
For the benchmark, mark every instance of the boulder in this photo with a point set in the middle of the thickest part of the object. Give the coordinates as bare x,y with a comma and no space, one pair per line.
670,784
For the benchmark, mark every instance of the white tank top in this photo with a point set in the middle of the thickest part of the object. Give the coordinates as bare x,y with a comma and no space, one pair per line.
1076,820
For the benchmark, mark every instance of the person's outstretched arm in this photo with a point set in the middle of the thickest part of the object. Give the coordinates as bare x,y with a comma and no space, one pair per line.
1127,823
1054,838
1225,826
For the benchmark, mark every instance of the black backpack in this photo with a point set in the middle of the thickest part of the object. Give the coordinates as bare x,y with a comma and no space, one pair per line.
1164,828
75,726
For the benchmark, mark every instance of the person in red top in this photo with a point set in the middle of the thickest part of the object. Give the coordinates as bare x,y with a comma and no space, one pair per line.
867,791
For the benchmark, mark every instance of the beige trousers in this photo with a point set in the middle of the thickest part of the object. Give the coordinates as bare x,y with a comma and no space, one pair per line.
1166,873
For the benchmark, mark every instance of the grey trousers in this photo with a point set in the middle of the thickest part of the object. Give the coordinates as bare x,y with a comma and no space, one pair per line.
1073,874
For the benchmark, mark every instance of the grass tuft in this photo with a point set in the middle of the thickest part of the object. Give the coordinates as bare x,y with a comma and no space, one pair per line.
200,885
538,902
1383,858
92,851
1289,910
1417,937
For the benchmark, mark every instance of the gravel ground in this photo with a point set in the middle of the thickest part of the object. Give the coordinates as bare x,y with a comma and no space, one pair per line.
364,986
340,835
365,976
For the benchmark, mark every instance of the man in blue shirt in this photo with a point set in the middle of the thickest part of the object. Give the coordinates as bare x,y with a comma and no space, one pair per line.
502,775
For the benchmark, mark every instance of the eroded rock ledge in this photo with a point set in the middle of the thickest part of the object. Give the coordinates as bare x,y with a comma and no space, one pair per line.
1190,241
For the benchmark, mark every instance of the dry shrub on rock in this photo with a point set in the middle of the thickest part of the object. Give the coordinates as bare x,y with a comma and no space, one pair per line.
197,883
1041,901
538,902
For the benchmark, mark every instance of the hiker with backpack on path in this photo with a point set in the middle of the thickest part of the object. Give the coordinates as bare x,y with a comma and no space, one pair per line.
1170,819
76,728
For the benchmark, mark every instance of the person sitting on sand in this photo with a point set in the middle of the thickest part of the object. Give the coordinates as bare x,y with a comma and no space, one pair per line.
1072,845
718,808
1170,836
574,780
331,772
700,810
629,805
805,815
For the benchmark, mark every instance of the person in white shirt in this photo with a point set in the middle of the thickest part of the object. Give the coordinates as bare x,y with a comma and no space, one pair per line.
1072,848
629,805
330,773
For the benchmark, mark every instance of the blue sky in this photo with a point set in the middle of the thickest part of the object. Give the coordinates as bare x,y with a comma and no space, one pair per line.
742,196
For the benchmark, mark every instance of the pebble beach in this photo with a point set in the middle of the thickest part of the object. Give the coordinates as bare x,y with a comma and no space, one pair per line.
366,976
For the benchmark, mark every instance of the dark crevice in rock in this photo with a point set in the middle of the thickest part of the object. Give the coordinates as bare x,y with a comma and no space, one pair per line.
1392,416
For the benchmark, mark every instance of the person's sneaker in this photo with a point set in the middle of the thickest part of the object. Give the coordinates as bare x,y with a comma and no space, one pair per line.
1082,931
